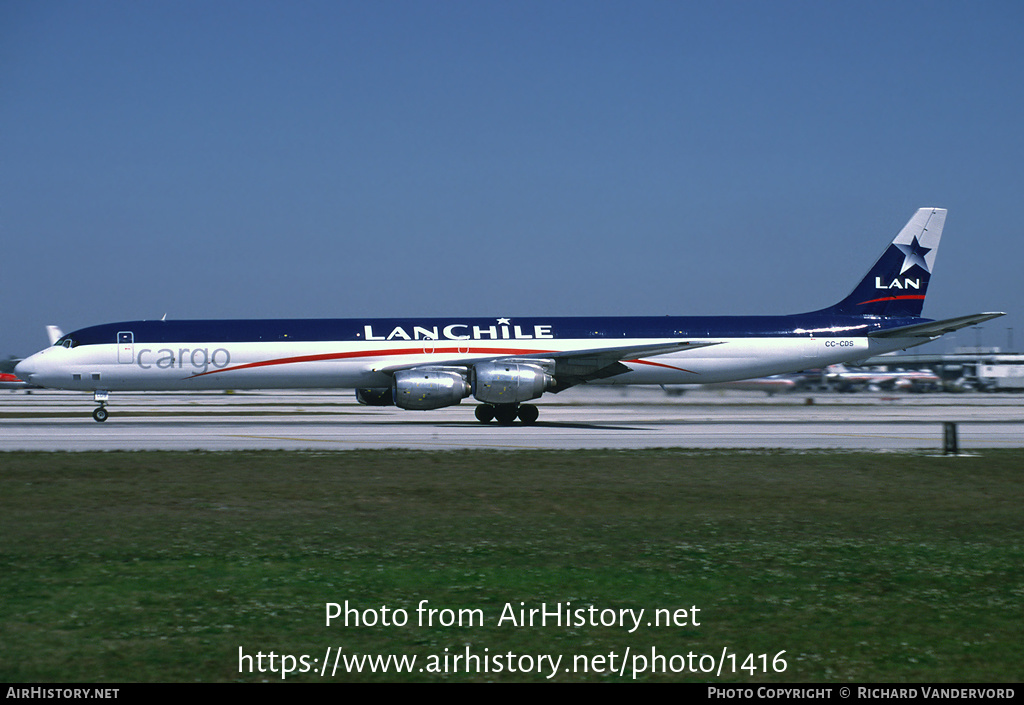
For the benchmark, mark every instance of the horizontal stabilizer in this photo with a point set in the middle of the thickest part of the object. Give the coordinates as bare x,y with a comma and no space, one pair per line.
933,329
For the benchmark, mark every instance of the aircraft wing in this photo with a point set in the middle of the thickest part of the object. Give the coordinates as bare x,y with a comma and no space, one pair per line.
571,366
934,329
577,366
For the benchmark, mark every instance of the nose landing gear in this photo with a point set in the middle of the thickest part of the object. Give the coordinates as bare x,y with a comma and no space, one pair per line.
100,412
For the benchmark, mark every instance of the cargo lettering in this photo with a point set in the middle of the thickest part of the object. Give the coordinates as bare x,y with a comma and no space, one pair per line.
200,359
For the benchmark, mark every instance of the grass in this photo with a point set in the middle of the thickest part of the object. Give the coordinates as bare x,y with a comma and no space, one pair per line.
121,567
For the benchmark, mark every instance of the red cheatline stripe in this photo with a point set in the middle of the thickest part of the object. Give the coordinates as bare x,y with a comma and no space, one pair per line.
893,298
661,364
370,353
412,351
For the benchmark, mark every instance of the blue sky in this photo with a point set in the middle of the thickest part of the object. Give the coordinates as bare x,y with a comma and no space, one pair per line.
341,159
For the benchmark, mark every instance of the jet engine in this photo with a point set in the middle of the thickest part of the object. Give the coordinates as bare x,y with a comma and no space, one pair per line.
430,388
507,382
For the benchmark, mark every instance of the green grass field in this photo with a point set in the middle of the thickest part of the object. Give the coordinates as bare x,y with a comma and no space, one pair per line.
120,567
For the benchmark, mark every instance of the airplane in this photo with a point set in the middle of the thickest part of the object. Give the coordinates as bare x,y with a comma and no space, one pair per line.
9,381
12,381
846,379
504,362
771,385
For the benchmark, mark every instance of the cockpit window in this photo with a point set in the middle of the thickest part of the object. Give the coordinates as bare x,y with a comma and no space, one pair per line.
67,342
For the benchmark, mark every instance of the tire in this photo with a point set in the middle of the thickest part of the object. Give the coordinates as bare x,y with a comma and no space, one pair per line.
528,413
506,414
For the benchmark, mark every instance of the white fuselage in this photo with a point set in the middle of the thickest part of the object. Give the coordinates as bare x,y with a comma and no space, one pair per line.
328,365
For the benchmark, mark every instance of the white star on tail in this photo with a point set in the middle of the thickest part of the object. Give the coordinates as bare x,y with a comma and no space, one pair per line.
914,254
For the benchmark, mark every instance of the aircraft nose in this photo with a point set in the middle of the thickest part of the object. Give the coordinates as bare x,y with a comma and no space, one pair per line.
25,370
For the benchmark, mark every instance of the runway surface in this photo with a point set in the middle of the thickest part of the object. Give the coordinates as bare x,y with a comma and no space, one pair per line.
635,417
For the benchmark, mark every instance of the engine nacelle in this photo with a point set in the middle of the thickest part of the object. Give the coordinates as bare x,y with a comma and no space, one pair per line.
382,396
510,382
428,388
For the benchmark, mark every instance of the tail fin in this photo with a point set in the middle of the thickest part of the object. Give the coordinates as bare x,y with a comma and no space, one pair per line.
54,334
897,284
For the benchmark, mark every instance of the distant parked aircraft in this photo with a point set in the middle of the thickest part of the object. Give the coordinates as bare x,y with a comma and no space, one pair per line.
9,381
846,379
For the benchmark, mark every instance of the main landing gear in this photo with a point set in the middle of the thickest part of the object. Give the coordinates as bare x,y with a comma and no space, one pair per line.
506,414
100,412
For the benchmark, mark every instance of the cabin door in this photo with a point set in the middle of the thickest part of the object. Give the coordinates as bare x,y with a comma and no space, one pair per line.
126,347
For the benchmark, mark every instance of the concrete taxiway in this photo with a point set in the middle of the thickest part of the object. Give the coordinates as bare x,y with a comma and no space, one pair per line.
634,417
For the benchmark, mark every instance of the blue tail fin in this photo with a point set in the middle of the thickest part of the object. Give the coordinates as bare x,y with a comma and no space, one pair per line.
897,284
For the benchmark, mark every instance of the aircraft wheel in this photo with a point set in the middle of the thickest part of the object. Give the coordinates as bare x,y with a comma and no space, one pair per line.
528,413
506,414
100,414
484,413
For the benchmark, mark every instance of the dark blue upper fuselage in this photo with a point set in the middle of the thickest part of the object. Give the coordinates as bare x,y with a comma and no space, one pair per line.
355,329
